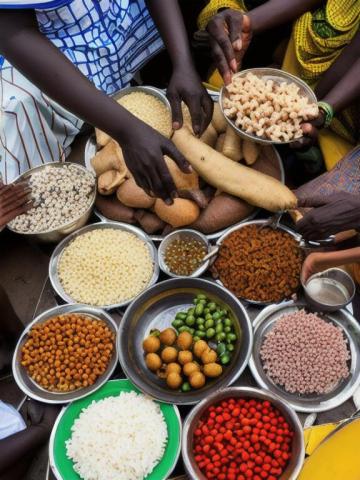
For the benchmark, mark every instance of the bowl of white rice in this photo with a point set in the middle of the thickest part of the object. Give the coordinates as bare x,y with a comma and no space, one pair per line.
116,434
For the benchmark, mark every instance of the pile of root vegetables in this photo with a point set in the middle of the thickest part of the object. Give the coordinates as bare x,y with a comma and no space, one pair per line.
230,178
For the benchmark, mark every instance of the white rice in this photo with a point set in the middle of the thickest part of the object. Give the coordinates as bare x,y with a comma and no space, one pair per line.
118,438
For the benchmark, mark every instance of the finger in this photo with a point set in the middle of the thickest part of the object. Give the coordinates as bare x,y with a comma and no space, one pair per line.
24,195
312,201
140,180
19,202
6,218
234,20
310,130
194,105
170,150
208,108
12,189
175,103
165,183
220,61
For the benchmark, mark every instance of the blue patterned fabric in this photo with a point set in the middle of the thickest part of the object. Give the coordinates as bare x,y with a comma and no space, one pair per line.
108,40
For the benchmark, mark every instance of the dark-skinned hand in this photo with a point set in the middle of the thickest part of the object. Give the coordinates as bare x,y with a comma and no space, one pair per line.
144,149
14,200
329,215
230,36
185,85
40,414
311,132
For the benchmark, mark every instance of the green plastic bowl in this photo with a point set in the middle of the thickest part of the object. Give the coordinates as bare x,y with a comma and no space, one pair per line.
62,466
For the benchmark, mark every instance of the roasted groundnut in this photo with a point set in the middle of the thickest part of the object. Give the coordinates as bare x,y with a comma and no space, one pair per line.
199,347
153,361
168,336
174,380
197,380
169,354
208,356
67,352
184,340
212,370
151,344
173,368
185,356
190,367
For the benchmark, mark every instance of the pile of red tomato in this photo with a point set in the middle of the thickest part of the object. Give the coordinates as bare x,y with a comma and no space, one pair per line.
240,439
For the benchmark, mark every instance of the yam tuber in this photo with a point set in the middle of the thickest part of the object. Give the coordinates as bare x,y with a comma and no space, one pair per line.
131,195
149,222
223,210
232,177
232,147
220,143
209,136
218,120
109,158
182,212
111,208
109,181
102,138
250,152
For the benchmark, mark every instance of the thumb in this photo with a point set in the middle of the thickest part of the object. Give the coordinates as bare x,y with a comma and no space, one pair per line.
314,201
170,150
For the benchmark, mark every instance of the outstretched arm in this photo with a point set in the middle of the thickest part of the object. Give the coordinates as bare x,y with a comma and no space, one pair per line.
41,62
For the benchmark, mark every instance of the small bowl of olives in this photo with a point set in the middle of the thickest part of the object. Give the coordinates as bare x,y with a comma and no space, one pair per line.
183,339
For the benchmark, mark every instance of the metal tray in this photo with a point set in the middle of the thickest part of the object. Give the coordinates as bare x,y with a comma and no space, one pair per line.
31,388
308,403
255,222
55,257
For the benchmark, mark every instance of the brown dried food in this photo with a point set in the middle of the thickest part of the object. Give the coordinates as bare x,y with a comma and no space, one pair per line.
67,352
260,265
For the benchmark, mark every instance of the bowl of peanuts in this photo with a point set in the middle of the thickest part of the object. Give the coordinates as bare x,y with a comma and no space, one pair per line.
268,106
65,354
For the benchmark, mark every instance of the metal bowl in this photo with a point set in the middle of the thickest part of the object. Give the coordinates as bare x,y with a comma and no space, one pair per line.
35,391
156,308
266,320
267,74
55,258
184,234
295,235
332,274
191,421
54,236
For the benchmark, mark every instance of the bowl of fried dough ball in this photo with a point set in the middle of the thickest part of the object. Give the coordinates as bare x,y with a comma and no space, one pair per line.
66,353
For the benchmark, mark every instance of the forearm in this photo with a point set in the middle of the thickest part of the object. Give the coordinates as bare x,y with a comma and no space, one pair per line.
274,13
43,64
15,447
168,18
338,258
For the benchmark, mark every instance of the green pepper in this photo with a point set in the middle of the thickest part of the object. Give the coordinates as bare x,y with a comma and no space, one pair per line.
155,332
227,322
200,334
185,387
210,332
201,328
177,323
219,328
221,349
191,311
199,309
208,316
206,311
211,306
225,359
227,329
231,337
196,338
220,337
209,323
201,296
200,321
192,331
231,347
190,320
180,316
184,328
195,301
216,316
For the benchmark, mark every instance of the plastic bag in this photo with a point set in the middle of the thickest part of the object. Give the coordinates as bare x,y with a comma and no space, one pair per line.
10,421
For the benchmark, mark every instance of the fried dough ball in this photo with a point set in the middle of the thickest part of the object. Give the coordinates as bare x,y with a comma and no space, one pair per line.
185,356
153,361
173,368
199,348
167,336
151,344
169,354
208,356
174,380
184,340
190,368
197,380
212,370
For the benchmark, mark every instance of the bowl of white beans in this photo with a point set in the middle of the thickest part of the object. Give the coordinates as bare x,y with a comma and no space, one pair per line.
268,106
63,196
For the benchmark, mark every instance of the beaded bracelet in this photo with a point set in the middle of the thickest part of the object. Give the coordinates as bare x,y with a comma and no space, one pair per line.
329,112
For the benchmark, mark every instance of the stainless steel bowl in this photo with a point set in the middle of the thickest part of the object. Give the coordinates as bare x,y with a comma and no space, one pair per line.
295,235
191,421
156,307
35,391
54,236
55,258
267,74
184,234
332,274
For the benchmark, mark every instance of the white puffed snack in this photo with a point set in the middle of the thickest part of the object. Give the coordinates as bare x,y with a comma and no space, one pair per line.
105,267
60,196
268,109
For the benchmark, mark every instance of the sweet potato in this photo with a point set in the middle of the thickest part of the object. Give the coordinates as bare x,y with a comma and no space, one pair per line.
109,181
183,181
109,158
231,177
196,195
182,212
218,119
223,210
131,195
232,147
149,221
111,208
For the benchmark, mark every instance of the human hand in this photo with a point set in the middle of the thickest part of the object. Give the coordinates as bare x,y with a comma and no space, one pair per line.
14,200
311,132
330,215
185,85
230,36
144,149
41,414
314,263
